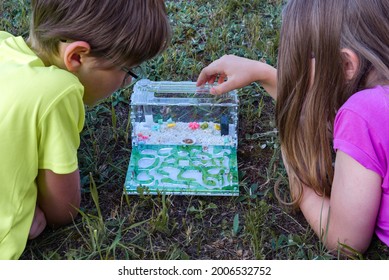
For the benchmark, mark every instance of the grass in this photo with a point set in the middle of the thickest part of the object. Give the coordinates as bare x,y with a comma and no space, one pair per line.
252,226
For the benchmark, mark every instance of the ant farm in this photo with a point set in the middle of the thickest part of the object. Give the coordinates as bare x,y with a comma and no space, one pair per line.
184,140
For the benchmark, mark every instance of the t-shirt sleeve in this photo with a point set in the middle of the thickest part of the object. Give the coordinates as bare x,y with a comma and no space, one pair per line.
354,136
59,133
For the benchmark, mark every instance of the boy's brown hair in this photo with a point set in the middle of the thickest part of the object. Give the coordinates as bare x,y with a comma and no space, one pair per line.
128,32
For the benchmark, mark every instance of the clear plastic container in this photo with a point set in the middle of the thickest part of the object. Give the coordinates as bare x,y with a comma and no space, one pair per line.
184,140
171,113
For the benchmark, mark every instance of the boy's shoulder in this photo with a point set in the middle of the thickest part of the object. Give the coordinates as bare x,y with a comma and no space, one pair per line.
9,41
14,49
16,56
44,83
4,35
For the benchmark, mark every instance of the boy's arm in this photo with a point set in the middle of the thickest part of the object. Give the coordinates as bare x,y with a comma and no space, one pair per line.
38,223
239,73
59,196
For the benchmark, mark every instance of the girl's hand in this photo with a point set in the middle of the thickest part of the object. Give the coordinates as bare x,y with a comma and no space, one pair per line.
233,72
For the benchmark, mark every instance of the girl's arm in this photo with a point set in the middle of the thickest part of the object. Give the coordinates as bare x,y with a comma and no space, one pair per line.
349,215
59,196
239,73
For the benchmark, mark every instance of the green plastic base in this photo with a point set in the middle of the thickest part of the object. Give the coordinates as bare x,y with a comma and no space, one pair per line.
183,170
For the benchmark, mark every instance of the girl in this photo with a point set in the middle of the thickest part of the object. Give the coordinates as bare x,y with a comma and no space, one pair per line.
332,92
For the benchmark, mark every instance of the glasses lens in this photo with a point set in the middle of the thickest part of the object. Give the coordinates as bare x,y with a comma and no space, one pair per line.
132,76
138,71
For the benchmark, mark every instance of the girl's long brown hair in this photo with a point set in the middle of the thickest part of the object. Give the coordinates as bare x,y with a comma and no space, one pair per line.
312,36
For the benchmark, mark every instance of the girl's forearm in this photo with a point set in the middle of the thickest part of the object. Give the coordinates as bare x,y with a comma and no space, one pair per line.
266,75
315,209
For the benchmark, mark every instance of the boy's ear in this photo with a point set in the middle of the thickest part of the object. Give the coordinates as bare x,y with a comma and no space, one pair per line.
350,63
74,55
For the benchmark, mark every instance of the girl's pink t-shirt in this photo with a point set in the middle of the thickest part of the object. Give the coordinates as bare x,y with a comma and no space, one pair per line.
361,130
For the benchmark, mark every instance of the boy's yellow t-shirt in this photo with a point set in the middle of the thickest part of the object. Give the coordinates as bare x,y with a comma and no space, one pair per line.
41,116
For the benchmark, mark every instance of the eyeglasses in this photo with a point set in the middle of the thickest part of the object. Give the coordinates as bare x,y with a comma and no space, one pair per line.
129,73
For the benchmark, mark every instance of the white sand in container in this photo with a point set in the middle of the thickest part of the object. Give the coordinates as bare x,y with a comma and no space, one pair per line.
179,133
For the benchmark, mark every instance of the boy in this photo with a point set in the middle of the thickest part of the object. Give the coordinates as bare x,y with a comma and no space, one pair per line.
78,52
